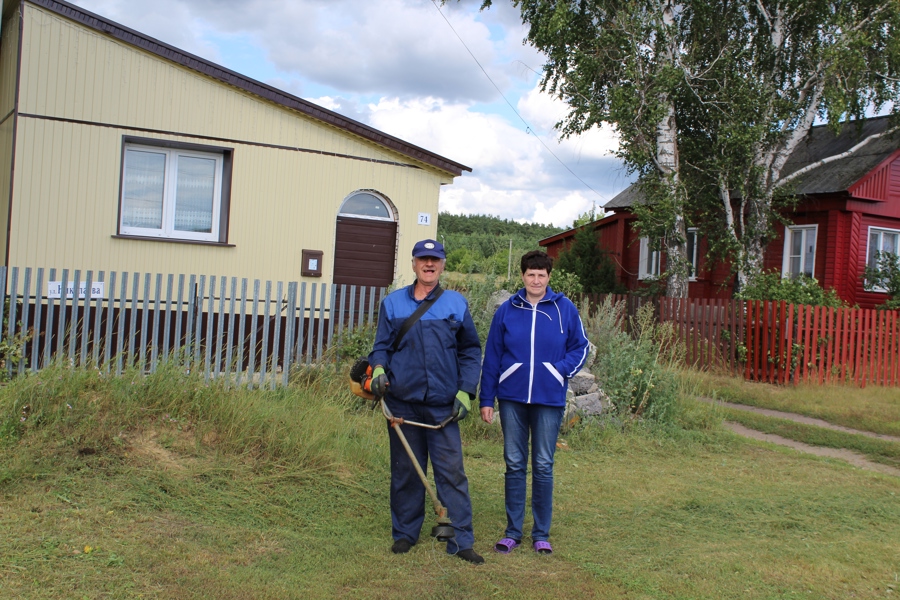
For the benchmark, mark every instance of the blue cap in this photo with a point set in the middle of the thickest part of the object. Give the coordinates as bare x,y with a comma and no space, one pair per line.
428,248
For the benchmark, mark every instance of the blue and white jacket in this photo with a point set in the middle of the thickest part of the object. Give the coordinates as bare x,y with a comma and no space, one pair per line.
532,350
438,356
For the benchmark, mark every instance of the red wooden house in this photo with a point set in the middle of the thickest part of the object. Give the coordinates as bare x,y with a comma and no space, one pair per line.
845,211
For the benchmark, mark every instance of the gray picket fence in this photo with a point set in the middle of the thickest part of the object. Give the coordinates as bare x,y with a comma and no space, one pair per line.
253,332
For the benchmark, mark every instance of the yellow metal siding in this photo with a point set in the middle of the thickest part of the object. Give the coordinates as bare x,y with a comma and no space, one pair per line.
9,51
282,200
6,142
76,73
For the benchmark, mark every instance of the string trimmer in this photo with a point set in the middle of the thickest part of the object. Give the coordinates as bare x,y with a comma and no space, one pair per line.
360,378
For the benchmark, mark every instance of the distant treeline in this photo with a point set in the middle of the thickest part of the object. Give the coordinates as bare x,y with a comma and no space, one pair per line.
452,224
481,243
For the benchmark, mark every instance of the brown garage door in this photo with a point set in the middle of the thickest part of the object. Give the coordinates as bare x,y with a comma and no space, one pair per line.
364,252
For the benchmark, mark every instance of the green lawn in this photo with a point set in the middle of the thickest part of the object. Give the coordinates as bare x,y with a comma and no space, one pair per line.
873,408
159,488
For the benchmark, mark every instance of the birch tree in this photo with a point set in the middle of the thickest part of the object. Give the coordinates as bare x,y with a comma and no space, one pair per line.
711,97
619,62
788,64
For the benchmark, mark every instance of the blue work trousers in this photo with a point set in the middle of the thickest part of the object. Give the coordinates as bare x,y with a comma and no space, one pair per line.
519,421
408,494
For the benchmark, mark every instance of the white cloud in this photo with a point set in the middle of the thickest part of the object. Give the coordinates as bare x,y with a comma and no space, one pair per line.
543,112
514,176
398,66
170,21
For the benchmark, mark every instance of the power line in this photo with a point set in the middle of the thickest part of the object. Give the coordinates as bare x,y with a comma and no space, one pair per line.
528,128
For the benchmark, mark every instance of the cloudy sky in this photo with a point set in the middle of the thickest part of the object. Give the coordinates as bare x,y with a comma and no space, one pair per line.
452,79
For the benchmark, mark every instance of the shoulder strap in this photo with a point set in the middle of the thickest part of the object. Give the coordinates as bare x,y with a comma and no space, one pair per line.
411,319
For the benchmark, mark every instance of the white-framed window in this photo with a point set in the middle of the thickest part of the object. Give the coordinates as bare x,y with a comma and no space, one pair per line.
693,254
173,191
366,205
649,265
881,240
799,251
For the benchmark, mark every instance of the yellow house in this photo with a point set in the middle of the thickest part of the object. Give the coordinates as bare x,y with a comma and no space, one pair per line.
119,152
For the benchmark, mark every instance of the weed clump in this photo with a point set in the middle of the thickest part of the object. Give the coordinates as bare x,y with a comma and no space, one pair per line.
636,360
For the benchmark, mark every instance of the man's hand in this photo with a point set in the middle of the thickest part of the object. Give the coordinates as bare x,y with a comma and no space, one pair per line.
379,383
487,414
461,405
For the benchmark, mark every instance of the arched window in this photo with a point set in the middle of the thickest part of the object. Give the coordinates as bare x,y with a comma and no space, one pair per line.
365,205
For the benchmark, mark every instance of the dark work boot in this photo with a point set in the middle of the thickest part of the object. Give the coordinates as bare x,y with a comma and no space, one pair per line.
471,556
401,546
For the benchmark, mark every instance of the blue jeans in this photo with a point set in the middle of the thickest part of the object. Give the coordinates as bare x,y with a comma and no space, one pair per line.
517,420
408,495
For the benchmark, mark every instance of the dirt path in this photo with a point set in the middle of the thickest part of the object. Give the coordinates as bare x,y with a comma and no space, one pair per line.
854,458
800,419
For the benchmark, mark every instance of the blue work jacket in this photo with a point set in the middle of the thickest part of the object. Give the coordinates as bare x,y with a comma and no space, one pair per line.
438,356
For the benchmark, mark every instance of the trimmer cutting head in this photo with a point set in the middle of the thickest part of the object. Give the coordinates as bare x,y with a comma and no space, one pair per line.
443,533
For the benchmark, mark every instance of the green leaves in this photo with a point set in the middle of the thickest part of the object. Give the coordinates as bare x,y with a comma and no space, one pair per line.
885,276
799,290
744,82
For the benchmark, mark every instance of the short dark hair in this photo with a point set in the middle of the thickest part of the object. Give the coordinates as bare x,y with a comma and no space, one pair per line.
537,260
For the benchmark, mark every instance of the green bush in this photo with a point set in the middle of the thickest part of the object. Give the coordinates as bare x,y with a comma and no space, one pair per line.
799,290
566,282
885,276
596,272
350,345
635,370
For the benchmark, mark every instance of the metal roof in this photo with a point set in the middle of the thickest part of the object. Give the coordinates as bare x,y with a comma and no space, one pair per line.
257,88
840,175
834,177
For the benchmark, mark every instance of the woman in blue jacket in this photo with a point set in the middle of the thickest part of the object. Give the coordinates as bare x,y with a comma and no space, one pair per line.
535,345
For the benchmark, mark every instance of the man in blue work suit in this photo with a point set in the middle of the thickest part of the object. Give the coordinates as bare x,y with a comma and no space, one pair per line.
432,374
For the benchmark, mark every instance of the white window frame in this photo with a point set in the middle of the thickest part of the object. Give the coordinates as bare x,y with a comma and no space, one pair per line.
870,255
377,196
168,231
786,255
694,258
648,258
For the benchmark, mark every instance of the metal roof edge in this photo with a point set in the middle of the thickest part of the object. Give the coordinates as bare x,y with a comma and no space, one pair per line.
572,230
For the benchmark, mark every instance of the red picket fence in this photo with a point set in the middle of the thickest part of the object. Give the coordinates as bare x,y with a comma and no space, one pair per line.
782,343
814,344
711,329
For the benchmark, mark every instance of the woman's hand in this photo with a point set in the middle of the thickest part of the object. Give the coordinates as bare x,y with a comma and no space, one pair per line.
487,414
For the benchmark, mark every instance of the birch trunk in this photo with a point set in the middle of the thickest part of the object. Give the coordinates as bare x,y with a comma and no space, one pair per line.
667,163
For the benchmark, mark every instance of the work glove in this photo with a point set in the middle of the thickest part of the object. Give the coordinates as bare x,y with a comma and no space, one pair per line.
462,404
379,382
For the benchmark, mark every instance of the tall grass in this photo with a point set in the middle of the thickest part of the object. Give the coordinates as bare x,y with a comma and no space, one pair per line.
284,494
295,430
636,360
